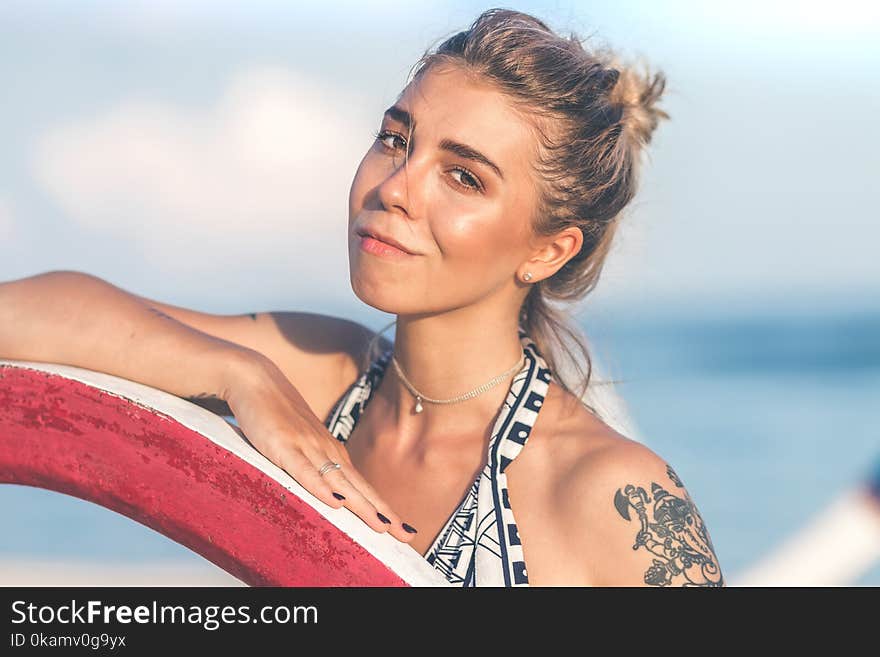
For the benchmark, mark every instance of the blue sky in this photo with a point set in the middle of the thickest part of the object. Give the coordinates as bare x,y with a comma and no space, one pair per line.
202,152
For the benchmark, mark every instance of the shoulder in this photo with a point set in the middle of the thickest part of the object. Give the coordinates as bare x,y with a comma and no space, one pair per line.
632,520
601,509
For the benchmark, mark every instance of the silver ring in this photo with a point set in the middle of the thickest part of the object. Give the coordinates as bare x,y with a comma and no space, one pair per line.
329,465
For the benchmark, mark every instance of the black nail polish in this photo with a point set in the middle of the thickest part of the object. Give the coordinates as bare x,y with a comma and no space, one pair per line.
338,496
411,530
383,518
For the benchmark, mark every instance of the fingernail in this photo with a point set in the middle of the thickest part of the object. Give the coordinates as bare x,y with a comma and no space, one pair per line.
383,518
411,530
338,496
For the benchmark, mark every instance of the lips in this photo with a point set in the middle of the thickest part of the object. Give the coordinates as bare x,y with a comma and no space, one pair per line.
372,232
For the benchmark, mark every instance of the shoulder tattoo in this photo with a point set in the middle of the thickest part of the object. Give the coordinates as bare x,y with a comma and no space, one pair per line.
671,529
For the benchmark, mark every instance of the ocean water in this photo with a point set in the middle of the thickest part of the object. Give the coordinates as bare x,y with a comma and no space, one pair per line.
765,417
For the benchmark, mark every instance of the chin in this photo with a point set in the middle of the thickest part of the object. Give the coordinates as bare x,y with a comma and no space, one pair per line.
391,289
379,294
383,293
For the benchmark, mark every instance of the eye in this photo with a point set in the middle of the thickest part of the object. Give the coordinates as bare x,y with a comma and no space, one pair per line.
466,175
382,135
468,180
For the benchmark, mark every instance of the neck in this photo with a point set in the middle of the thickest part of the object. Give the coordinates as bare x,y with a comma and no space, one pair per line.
445,356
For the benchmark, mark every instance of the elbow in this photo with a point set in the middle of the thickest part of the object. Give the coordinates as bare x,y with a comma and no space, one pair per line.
66,274
55,274
41,286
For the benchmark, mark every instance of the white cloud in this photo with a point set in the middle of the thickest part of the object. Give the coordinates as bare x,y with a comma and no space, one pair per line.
265,173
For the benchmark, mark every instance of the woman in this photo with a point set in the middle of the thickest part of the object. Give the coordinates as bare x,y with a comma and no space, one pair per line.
495,185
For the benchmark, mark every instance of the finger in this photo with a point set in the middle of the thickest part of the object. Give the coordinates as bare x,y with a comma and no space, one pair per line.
357,502
299,466
368,503
361,498
354,499
300,463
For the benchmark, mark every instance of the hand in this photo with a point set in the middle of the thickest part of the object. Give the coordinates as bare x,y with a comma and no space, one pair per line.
277,421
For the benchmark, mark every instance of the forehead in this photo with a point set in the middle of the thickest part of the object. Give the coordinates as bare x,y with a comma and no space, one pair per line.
447,103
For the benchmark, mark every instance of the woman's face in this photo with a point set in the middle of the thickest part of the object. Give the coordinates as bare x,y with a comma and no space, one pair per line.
466,221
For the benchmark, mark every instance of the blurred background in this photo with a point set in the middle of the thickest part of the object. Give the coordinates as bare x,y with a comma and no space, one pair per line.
201,153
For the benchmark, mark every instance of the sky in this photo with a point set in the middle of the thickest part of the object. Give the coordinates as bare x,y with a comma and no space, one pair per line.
201,153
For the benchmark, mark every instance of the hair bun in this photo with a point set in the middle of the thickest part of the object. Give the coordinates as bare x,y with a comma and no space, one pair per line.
607,79
638,91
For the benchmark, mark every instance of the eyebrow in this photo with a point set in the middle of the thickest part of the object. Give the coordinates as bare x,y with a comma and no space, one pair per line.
400,115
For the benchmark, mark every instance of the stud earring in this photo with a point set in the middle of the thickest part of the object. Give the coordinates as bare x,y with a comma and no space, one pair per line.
527,276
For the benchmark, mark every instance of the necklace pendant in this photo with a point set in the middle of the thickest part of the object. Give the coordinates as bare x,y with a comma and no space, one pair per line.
419,407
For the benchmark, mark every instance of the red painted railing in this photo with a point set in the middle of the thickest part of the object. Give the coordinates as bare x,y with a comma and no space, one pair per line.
66,435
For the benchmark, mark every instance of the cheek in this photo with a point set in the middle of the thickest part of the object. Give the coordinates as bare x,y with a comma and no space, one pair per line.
475,237
479,251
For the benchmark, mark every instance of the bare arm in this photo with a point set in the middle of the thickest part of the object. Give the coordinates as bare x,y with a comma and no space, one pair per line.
320,354
77,319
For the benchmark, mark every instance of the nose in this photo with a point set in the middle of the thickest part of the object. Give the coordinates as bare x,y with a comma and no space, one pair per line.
394,191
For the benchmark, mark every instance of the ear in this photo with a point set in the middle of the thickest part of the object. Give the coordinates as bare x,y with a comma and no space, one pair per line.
554,252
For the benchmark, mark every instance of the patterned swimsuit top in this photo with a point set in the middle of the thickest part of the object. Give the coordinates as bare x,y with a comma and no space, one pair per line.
479,545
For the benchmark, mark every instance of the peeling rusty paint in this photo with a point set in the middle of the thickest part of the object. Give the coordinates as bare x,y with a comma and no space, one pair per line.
63,435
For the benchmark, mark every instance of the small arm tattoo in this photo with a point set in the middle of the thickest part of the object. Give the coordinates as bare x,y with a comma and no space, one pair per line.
672,530
161,314
253,316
